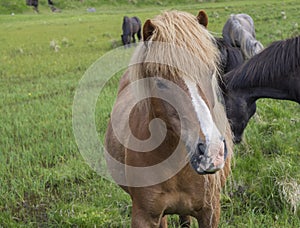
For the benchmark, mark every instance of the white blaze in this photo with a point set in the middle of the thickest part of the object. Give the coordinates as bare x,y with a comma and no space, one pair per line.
204,116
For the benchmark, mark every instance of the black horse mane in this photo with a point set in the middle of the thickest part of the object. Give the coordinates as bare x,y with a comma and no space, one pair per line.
276,61
231,57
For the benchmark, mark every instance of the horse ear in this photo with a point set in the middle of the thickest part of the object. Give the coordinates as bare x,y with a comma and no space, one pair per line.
202,18
148,29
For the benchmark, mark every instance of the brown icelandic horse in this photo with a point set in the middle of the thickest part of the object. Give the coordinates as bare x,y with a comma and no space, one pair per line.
273,73
168,141
130,27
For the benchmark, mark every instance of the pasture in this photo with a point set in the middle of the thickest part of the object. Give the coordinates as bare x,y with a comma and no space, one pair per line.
44,180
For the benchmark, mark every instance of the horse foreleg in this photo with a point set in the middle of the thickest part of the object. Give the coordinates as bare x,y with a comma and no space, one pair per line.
164,222
209,217
185,221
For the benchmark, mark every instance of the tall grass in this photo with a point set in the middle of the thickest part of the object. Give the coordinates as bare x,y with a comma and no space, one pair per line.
45,181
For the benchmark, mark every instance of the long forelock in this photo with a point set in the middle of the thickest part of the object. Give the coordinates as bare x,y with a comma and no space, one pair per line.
178,44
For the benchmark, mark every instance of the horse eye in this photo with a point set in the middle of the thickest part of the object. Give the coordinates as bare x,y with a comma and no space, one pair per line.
161,85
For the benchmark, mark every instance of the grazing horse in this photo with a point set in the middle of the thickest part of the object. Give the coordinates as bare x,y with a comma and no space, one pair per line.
130,27
273,73
168,141
35,4
239,31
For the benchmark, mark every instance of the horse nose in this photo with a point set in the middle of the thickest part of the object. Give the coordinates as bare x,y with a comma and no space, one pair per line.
237,139
201,148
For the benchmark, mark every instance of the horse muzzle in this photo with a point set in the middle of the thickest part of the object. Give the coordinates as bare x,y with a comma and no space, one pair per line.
209,159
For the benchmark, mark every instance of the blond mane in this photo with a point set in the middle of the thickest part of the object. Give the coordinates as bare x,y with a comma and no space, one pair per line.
177,41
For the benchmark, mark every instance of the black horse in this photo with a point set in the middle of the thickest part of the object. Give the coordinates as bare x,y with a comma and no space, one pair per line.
130,27
273,73
35,4
230,57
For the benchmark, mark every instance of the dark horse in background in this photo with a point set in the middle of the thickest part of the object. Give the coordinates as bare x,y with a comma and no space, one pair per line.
239,31
238,42
273,73
35,4
130,27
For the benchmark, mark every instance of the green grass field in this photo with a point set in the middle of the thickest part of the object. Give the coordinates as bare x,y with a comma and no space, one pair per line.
44,180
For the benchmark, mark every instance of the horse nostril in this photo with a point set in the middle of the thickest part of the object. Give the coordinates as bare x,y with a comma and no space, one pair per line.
225,150
201,148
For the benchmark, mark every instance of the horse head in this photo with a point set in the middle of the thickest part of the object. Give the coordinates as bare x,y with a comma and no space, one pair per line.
126,28
239,109
184,89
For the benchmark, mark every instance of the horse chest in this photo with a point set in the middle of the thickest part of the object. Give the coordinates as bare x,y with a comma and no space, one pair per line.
188,196
185,204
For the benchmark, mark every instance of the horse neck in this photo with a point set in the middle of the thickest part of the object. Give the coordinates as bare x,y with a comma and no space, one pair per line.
255,93
283,87
252,94
127,27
